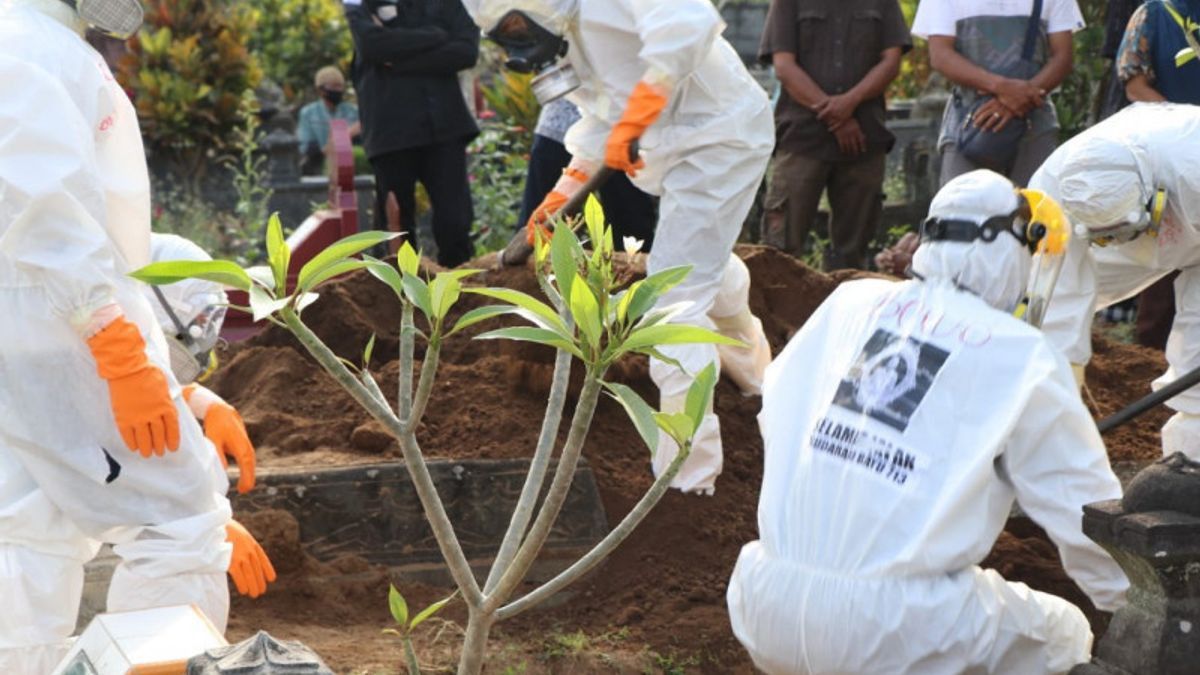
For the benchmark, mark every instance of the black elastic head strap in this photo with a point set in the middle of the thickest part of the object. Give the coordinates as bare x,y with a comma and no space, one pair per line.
1016,223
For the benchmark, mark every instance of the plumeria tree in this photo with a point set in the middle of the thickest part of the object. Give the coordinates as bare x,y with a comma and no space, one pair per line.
585,316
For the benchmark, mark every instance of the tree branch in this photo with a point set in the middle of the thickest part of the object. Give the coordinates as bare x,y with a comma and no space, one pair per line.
435,511
408,332
536,477
605,547
557,495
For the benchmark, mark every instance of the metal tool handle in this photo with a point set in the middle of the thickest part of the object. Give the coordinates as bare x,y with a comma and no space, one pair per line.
518,249
1186,381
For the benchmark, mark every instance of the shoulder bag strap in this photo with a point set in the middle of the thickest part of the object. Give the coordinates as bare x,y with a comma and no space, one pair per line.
1031,33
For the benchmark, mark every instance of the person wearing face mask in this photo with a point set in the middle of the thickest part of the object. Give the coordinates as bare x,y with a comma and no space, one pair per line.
96,441
1131,185
313,127
900,425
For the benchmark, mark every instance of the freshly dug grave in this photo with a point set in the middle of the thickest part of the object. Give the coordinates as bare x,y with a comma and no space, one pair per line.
665,585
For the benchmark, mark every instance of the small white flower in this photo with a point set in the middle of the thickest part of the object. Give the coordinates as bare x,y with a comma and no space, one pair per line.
632,244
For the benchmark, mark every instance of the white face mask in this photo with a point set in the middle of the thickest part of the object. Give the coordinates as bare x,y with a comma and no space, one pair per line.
387,12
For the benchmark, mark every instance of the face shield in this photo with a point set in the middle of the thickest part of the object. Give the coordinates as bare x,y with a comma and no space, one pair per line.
117,18
530,47
1047,232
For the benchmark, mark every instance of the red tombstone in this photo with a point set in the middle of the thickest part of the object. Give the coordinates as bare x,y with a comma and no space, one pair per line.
321,230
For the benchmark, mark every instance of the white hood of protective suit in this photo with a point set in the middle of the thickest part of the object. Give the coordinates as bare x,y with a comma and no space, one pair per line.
55,9
1093,176
189,297
1104,182
996,271
553,15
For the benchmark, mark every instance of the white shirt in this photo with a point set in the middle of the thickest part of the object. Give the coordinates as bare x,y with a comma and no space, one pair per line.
939,17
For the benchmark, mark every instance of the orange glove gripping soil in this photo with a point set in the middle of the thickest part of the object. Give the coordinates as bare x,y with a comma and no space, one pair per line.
249,567
645,105
141,401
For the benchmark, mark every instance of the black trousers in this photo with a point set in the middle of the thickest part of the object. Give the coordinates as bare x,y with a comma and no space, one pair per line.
630,212
442,169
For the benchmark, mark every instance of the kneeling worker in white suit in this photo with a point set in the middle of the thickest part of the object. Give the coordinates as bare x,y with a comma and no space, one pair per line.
1131,186
657,75
900,424
96,443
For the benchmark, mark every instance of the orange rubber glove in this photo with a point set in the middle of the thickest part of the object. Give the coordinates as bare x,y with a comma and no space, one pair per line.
645,105
138,391
571,182
249,567
225,428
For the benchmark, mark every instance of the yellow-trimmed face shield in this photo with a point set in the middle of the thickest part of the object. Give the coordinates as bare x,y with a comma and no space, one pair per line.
1047,230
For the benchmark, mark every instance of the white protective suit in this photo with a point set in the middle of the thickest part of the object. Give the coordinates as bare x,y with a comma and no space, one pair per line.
900,424
74,220
1099,177
705,156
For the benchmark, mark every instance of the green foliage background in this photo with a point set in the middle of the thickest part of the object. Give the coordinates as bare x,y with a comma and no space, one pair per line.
186,72
294,38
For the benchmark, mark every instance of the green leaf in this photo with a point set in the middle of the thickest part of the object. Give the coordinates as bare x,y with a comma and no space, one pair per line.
530,334
417,292
700,396
408,260
593,216
263,304
639,412
444,291
398,606
338,252
219,271
675,334
653,287
657,316
624,299
368,350
654,353
481,314
586,312
430,611
565,254
329,272
677,425
548,317
278,253
387,274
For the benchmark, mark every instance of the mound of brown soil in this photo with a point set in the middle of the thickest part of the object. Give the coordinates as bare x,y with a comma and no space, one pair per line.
667,583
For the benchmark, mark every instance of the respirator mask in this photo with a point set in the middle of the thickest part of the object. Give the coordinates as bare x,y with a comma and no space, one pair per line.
191,348
120,19
531,48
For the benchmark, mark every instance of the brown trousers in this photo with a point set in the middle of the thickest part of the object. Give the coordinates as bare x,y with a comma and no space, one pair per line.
855,190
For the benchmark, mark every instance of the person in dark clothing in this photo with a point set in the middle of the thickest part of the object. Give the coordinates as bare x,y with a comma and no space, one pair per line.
416,124
835,59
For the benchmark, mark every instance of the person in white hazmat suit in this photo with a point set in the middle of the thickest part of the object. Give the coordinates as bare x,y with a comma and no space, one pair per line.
900,424
656,75
191,313
95,444
1131,185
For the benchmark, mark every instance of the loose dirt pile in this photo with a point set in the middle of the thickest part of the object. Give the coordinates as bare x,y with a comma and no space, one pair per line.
667,583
